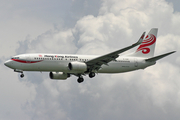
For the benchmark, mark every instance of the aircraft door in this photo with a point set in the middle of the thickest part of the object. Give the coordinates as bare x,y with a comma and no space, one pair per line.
28,59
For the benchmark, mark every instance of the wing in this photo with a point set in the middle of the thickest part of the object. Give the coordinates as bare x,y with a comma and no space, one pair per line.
95,64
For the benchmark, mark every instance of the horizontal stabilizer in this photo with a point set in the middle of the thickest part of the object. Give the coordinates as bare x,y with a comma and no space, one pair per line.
153,59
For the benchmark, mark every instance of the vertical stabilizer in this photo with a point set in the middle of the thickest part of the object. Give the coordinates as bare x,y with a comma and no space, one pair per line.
147,47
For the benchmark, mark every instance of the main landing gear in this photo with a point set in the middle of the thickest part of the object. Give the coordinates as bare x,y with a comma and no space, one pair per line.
92,74
81,79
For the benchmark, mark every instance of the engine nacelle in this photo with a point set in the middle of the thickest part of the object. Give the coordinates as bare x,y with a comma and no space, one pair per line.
59,75
77,66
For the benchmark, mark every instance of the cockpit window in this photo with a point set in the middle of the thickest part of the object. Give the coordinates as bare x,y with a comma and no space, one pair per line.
15,58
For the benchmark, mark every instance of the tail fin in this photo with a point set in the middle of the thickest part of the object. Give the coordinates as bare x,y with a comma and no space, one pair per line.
146,49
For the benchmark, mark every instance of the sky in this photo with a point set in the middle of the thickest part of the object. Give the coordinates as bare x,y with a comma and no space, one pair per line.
89,27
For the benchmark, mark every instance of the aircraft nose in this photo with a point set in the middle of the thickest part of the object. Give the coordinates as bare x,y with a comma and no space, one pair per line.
7,63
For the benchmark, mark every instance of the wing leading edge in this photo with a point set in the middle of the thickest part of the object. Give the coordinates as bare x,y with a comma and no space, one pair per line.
95,64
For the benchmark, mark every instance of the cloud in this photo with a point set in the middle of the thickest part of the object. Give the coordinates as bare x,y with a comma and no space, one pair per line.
152,93
169,42
178,61
51,41
175,4
13,95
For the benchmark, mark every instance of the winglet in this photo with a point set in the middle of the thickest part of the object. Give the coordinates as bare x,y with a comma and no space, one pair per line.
140,39
158,57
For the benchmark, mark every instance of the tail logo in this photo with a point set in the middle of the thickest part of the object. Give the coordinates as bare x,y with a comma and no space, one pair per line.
150,40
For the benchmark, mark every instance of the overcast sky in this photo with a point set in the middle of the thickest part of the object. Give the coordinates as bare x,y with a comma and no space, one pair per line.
89,27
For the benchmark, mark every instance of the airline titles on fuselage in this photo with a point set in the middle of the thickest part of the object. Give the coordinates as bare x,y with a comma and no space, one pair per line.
57,56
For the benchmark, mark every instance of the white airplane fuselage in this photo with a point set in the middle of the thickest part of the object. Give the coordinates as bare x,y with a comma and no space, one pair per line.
62,66
59,63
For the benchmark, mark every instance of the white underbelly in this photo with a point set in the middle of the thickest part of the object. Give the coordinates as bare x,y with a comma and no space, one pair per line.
117,68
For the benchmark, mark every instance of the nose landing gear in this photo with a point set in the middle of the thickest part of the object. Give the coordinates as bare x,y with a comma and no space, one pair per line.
22,75
19,71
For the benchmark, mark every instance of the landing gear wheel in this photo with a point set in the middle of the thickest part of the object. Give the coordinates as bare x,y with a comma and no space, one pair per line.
92,74
22,75
80,79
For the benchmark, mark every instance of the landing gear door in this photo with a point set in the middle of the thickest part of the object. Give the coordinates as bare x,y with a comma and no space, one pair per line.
135,62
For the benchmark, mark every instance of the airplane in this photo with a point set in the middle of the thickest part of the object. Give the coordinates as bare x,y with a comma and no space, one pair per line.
62,66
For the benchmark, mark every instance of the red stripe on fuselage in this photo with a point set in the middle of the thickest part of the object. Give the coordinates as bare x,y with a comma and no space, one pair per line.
23,61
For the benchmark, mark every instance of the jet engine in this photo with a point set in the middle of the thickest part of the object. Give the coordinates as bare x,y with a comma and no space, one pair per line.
59,75
77,66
